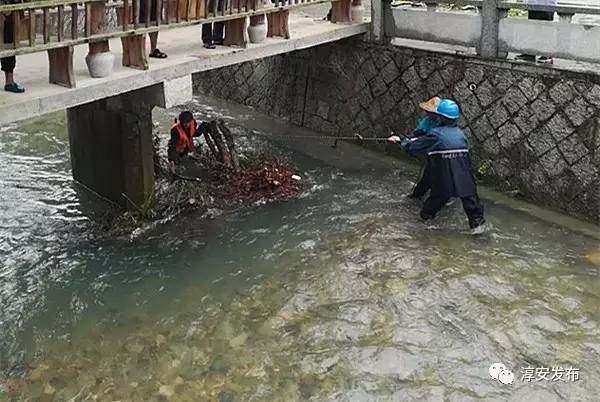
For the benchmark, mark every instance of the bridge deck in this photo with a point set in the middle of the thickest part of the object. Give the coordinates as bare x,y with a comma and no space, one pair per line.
186,56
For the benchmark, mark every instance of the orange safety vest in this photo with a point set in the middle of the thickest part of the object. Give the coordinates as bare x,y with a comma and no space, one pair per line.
185,143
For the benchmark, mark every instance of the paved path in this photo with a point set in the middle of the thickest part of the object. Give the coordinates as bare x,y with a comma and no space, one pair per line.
186,56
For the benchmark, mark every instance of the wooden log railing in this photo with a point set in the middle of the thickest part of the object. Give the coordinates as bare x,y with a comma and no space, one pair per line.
54,26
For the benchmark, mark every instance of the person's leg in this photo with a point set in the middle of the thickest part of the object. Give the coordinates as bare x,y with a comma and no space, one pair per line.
207,38
432,206
474,209
423,184
8,63
153,41
154,51
218,36
8,66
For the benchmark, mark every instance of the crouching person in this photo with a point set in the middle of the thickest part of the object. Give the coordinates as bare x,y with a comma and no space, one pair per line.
450,172
182,138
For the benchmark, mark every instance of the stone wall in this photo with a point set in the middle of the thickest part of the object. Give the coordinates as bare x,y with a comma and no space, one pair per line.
539,127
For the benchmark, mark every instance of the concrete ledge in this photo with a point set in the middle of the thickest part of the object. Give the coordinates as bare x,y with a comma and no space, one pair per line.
453,28
560,68
557,39
186,57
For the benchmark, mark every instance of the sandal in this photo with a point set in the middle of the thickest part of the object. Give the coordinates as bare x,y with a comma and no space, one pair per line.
14,88
157,54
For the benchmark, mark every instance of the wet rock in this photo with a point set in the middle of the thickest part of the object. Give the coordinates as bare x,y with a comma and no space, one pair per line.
134,347
49,389
222,362
238,341
38,373
224,330
166,391
226,396
160,340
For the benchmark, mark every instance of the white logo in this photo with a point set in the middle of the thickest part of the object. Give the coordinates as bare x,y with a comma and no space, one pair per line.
498,371
495,369
506,377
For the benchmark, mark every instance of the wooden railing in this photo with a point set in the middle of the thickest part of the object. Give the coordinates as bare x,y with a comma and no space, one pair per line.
52,25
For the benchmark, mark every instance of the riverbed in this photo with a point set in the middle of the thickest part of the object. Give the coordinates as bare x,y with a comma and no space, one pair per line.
339,295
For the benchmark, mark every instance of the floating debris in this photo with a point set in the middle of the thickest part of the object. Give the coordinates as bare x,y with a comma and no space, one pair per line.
271,179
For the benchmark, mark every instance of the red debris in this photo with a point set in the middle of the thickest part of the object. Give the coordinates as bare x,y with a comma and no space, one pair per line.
271,180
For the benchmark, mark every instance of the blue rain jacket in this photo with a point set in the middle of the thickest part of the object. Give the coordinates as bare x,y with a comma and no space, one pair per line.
449,164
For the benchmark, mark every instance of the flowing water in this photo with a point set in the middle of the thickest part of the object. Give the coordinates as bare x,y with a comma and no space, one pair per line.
340,295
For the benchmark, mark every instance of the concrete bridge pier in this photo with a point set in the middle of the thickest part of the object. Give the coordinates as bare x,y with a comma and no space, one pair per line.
111,141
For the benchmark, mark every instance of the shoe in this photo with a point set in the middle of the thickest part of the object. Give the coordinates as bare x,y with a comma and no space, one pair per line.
219,42
477,222
157,54
425,216
14,88
545,60
481,229
526,57
209,46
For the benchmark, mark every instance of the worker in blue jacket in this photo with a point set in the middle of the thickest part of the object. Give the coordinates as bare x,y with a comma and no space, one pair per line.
450,172
427,122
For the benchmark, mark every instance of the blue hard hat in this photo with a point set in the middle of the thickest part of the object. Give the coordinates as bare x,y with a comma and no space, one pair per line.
448,108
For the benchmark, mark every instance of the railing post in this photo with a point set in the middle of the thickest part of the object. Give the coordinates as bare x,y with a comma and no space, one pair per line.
99,59
490,21
565,17
379,10
431,6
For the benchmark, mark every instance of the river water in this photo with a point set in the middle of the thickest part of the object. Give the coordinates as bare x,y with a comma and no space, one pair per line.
340,295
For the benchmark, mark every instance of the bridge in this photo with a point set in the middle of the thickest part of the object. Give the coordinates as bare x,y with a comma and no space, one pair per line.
109,117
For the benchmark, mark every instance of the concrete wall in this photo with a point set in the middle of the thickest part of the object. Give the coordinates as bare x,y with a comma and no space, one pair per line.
515,35
539,127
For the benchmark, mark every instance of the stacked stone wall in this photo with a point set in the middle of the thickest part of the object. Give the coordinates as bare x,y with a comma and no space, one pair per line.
539,127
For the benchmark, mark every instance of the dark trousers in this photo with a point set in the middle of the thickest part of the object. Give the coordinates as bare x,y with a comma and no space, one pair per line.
212,34
472,206
423,184
540,15
8,63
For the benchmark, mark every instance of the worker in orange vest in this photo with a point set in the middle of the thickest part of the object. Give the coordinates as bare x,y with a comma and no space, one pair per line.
182,138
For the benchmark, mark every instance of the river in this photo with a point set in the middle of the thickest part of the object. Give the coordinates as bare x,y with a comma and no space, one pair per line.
340,295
